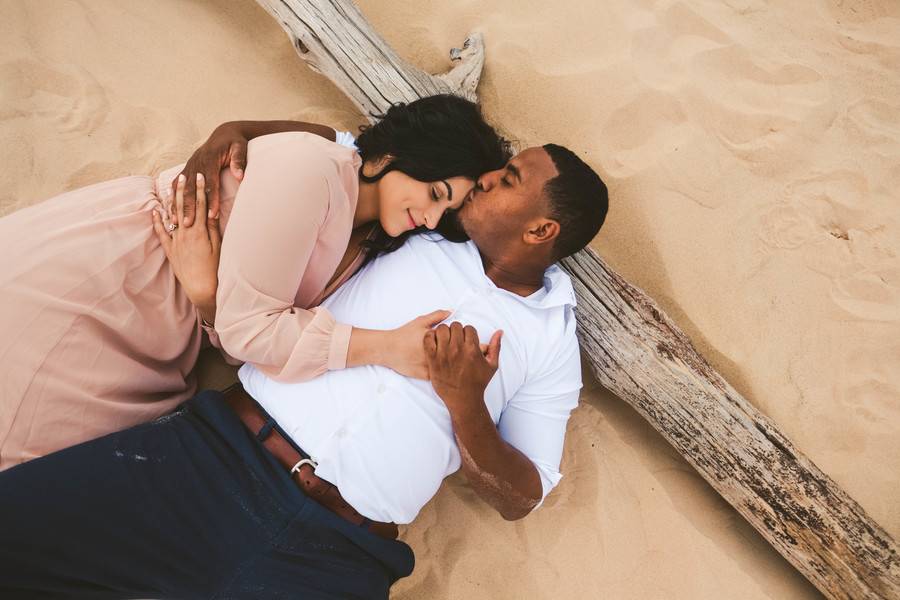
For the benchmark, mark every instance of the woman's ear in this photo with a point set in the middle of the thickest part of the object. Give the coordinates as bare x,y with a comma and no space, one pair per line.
541,232
371,168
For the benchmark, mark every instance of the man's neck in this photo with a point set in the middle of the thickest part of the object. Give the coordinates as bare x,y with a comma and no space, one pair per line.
523,279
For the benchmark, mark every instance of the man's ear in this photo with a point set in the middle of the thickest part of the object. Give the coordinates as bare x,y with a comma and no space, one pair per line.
541,231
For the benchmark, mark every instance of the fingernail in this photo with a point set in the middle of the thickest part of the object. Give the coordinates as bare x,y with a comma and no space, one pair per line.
199,176
182,178
209,215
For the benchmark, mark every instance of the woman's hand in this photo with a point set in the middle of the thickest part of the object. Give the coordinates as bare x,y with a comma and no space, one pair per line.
193,250
398,349
404,352
226,147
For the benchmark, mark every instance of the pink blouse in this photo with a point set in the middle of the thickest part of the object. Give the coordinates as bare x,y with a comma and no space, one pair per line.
287,231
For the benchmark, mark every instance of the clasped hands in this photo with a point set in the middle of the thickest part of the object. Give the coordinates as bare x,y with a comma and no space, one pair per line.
193,245
460,367
193,249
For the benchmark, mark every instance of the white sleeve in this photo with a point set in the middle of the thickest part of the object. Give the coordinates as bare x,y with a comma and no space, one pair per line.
534,421
345,138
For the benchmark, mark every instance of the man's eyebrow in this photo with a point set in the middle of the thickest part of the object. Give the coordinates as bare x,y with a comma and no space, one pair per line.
449,190
515,171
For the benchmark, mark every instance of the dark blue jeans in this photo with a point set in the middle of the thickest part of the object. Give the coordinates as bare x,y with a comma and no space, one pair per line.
188,506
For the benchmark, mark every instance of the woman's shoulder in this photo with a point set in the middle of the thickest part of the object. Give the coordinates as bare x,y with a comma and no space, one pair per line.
302,158
309,149
322,174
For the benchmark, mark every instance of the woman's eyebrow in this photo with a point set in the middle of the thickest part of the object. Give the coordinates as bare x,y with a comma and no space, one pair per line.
449,190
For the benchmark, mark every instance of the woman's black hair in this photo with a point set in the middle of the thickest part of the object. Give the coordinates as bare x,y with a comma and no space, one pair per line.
430,139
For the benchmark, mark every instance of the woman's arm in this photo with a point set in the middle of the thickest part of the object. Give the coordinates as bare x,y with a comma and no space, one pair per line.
398,349
227,147
269,246
290,190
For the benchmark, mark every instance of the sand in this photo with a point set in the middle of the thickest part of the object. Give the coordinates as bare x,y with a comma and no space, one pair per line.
753,156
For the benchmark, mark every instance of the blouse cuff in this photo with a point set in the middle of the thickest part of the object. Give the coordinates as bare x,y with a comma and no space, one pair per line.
214,341
209,328
339,347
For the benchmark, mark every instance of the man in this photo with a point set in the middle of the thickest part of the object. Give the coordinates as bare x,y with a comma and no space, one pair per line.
216,500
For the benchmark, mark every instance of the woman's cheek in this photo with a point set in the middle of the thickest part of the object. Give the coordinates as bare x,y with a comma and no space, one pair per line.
390,227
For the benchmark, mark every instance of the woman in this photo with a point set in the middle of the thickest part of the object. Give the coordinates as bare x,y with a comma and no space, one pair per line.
97,333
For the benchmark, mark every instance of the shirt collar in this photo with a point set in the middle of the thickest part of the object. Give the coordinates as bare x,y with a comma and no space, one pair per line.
557,286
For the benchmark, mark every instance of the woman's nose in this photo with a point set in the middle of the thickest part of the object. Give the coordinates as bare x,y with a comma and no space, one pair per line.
433,215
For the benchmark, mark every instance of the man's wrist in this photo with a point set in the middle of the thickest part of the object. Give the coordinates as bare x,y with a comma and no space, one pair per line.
466,408
233,126
253,129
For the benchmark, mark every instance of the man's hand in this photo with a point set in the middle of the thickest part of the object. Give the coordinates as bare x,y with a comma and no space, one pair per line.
193,251
460,370
458,365
226,147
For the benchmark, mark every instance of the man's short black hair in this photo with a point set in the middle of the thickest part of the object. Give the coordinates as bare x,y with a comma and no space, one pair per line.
578,201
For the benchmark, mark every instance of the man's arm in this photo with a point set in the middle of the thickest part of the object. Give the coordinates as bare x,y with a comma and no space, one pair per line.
459,371
503,477
227,147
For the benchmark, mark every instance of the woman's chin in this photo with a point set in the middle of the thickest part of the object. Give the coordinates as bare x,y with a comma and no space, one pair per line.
393,230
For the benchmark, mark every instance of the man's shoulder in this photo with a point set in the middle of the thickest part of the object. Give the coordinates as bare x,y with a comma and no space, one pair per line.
555,355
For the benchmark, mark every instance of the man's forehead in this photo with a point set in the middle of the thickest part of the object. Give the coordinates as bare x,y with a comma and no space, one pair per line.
534,162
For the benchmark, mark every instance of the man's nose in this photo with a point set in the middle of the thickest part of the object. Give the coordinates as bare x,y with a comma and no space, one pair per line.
487,181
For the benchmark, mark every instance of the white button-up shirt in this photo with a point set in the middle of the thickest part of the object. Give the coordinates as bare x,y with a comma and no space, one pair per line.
385,440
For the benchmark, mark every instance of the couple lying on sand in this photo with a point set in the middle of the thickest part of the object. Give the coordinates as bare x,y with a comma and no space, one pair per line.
313,268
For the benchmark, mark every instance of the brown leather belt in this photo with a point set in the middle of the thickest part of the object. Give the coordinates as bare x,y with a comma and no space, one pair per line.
323,492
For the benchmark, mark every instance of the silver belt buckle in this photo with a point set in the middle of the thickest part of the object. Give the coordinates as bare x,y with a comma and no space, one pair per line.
304,461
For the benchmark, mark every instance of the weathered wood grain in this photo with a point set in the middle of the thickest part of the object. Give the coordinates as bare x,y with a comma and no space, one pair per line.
637,352
335,39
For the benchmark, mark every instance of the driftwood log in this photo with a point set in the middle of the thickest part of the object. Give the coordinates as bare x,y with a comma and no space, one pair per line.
636,351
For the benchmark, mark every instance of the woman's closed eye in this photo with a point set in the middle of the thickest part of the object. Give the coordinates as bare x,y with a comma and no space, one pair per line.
442,191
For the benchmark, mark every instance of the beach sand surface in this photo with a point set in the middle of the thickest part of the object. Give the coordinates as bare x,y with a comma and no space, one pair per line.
752,151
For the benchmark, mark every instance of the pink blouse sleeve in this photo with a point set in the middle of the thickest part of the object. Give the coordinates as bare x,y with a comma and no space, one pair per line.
281,205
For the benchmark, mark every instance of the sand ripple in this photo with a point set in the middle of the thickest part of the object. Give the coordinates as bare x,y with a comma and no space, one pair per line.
753,153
